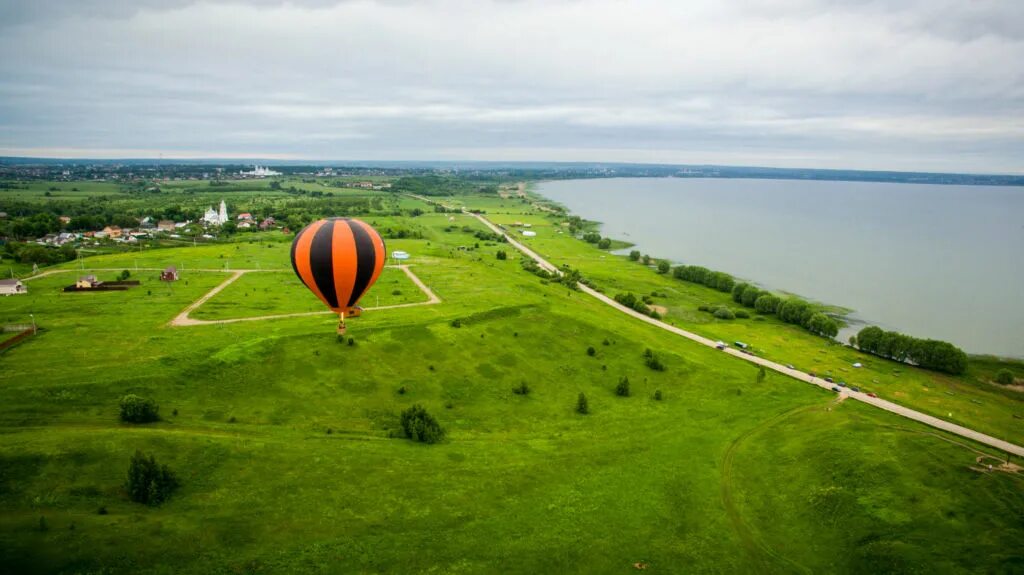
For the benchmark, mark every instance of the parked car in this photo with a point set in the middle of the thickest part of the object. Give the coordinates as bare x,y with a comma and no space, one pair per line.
872,395
720,346
790,366
836,389
829,379
810,373
841,384
854,388
740,344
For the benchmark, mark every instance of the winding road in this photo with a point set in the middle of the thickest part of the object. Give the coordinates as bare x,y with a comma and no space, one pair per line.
889,406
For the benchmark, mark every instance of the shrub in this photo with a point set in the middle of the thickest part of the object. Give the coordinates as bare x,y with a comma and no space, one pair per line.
761,374
522,389
502,255
724,313
135,409
591,237
646,259
622,389
606,342
456,322
419,425
351,341
402,390
651,360
663,266
1004,377
657,395
149,482
582,406
634,256
704,307
604,243
591,351
125,274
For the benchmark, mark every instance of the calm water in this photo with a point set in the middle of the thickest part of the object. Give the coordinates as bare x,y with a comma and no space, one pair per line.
945,262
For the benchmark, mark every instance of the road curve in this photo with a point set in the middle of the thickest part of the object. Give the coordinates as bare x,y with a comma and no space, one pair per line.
795,374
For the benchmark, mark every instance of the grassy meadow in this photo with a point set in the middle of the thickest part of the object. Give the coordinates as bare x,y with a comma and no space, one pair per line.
287,445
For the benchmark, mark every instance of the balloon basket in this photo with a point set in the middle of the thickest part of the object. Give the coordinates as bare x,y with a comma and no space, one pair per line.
341,324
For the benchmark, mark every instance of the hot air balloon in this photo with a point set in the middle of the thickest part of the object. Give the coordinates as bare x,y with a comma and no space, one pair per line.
338,259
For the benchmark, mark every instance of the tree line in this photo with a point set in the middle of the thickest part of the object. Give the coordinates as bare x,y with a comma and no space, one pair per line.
927,353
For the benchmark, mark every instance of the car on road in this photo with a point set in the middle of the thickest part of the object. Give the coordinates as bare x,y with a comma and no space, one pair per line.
872,395
854,388
837,389
722,347
829,379
841,384
810,373
790,366
740,344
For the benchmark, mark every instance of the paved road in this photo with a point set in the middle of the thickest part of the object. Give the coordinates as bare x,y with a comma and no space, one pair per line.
795,374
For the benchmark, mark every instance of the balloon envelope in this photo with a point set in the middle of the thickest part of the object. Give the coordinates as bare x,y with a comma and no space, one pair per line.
338,259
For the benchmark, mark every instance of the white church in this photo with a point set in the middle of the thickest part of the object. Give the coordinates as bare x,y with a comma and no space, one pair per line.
260,172
216,218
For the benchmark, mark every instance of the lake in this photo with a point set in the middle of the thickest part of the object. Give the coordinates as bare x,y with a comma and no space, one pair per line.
932,261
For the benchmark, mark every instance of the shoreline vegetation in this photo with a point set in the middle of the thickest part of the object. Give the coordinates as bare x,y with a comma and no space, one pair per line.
819,319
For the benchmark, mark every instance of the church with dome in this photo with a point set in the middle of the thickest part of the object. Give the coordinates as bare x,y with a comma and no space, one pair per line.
216,218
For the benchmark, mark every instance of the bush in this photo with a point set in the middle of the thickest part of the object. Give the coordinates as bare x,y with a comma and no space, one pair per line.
634,256
724,313
622,389
591,351
135,409
663,266
591,237
502,255
582,406
125,274
456,323
1004,377
419,425
742,314
651,360
149,482
522,389
604,243
657,395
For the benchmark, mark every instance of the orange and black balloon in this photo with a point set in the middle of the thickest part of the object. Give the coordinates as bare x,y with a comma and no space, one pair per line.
338,259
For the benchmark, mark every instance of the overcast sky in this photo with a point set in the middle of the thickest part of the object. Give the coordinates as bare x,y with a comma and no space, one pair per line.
932,85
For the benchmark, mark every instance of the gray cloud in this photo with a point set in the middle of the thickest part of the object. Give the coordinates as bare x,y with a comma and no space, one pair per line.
909,84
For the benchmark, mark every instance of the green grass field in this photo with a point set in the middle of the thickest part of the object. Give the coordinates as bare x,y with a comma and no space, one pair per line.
286,447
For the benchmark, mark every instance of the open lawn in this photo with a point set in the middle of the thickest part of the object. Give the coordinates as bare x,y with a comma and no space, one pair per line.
287,443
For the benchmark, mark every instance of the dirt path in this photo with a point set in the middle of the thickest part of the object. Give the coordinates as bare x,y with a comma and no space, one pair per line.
760,552
183,319
793,373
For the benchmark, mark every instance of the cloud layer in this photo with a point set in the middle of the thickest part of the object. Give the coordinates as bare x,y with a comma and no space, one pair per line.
886,84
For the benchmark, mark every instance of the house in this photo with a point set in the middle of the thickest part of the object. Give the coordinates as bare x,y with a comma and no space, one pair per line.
112,232
86,282
165,225
244,225
267,224
245,217
12,287
65,219
169,275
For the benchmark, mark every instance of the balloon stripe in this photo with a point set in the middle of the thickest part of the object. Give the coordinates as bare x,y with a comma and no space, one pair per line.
365,258
379,251
301,260
344,261
321,260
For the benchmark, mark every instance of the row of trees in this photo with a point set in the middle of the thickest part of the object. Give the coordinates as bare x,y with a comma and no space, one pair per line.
639,304
720,281
927,353
789,310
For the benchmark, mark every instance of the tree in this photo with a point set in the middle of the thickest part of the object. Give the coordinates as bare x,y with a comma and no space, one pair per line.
591,237
604,243
750,295
737,291
125,274
657,395
766,303
622,389
591,351
663,266
634,255
502,255
646,259
135,409
1004,377
723,312
149,482
582,407
419,425
761,374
